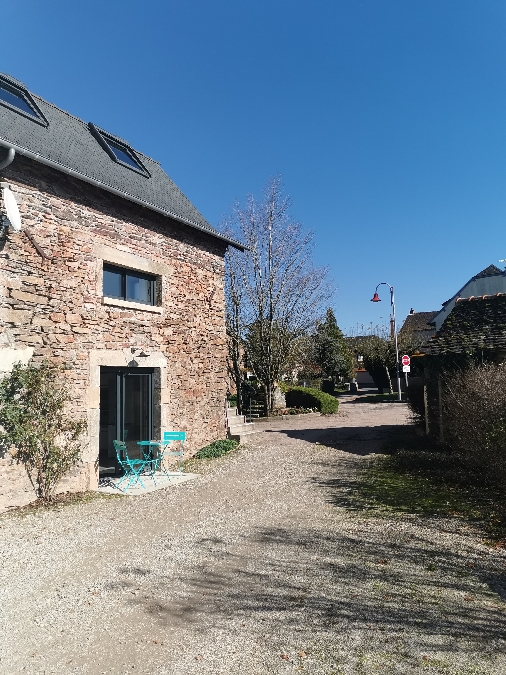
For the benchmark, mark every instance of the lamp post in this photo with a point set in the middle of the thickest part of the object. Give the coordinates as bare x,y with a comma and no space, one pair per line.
376,298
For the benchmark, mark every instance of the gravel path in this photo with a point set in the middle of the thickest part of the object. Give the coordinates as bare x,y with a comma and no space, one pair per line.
257,567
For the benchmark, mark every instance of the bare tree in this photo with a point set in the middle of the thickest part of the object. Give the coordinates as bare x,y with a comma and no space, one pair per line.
235,322
280,294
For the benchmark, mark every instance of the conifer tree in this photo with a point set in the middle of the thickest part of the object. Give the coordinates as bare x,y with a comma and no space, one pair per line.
331,353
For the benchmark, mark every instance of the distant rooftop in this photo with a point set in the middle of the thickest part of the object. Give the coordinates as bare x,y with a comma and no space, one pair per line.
475,323
490,271
418,321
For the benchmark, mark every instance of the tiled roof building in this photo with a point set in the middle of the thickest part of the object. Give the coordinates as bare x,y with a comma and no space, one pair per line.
489,281
418,326
475,323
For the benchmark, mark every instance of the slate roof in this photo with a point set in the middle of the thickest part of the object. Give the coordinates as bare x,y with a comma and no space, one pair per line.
418,321
490,271
475,323
67,143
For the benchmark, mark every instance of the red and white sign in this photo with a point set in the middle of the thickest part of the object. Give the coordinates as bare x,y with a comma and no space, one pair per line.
406,360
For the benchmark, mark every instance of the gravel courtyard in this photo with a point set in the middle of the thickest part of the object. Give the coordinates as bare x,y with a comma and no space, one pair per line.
259,566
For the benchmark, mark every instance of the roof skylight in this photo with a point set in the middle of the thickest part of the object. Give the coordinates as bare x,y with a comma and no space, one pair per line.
118,150
17,98
122,155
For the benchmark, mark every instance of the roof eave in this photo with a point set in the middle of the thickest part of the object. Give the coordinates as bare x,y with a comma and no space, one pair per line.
87,179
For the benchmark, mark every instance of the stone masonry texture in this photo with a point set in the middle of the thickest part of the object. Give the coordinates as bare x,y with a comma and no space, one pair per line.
52,308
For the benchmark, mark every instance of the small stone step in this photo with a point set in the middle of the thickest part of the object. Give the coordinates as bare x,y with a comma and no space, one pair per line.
238,429
233,415
242,436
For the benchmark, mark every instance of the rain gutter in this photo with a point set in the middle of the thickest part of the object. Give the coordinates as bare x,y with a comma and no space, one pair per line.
12,149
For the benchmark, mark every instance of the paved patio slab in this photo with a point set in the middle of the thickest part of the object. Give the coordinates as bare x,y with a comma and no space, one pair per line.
109,485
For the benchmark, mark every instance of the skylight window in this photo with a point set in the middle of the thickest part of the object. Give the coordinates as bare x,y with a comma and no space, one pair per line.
122,155
118,150
17,98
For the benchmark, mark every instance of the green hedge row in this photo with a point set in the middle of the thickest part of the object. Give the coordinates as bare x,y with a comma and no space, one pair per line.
216,449
305,397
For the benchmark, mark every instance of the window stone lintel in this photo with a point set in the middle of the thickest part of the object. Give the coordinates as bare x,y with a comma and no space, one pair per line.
113,256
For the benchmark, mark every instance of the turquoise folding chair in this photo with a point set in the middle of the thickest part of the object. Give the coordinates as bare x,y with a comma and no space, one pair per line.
168,438
132,467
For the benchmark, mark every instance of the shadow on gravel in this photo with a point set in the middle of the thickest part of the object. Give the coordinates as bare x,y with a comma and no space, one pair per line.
356,440
310,581
421,591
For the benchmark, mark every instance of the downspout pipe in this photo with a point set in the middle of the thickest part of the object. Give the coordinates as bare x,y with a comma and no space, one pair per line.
9,159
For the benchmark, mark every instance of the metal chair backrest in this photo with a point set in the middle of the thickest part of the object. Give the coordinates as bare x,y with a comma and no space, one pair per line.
169,437
121,452
174,436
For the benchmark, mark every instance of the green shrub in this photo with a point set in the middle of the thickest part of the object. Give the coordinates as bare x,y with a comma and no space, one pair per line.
304,397
37,428
216,449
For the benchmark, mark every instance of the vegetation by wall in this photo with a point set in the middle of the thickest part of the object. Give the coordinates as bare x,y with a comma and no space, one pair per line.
474,417
311,398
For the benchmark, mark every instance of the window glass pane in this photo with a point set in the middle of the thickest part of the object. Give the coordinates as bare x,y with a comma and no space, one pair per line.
112,283
16,100
122,155
139,289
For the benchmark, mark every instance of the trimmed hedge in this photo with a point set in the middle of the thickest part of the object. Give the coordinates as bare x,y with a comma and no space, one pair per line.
305,397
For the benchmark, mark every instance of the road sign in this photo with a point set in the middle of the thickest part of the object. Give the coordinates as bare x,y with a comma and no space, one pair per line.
406,369
406,360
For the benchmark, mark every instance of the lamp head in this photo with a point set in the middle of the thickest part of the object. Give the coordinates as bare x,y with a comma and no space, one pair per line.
375,298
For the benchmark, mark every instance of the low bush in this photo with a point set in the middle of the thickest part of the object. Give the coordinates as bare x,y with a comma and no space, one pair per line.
305,397
216,449
474,417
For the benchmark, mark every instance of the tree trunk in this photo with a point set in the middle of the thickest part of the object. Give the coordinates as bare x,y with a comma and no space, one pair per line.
238,388
389,381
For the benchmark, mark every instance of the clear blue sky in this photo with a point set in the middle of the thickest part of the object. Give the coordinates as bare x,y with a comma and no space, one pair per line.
386,119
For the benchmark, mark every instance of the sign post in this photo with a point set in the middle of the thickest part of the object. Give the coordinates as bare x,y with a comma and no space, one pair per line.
406,367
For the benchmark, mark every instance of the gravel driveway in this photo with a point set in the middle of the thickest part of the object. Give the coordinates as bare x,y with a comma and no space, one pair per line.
256,567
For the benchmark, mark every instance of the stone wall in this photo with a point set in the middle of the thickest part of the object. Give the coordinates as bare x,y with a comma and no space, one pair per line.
51,307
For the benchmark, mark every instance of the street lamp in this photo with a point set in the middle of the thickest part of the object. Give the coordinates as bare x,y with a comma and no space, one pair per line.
376,298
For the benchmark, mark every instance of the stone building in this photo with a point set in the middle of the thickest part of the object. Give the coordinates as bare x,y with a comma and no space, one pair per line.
113,274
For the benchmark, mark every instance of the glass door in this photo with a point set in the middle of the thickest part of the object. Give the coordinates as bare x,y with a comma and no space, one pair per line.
126,413
137,410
